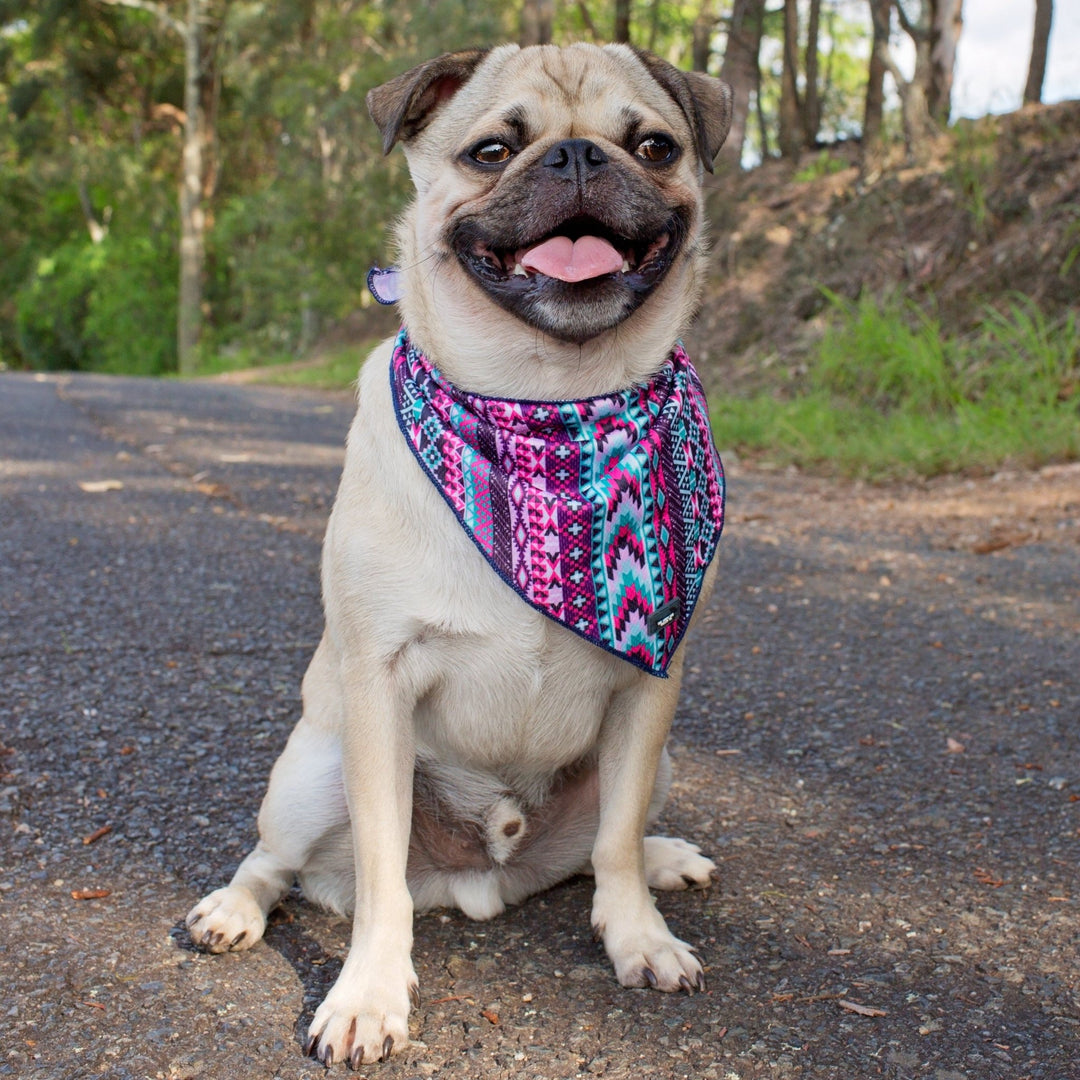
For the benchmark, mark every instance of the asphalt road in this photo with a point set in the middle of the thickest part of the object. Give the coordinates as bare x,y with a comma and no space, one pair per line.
879,742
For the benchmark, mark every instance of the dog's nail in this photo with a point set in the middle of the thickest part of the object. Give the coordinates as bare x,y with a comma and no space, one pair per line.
650,977
310,1044
685,983
414,996
690,882
701,981
236,940
357,1059
387,1047
328,1060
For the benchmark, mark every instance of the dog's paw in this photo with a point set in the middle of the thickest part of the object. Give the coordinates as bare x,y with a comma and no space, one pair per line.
655,959
228,918
645,953
673,864
361,1022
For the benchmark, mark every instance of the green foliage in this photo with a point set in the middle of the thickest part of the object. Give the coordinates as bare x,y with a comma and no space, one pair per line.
889,396
822,165
52,307
108,307
974,162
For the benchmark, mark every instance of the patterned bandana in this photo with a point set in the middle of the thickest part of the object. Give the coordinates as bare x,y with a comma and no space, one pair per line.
602,514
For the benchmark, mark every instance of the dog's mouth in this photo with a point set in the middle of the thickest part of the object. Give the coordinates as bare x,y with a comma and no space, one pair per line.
575,281
580,250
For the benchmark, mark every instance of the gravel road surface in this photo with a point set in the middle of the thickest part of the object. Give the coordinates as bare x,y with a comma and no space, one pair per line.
879,743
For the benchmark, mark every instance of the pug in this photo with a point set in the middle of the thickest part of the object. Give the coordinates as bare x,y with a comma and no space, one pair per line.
526,522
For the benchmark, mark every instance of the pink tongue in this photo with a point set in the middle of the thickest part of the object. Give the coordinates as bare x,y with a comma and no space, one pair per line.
573,260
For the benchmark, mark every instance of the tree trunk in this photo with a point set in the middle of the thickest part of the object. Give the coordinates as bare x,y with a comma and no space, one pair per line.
811,110
1044,16
763,127
790,133
946,22
740,71
881,14
537,17
919,126
192,220
654,24
622,21
701,36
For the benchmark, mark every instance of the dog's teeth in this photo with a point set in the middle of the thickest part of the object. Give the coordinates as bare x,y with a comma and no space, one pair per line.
520,271
625,266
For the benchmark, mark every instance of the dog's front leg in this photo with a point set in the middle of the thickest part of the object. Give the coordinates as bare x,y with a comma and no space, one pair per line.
643,950
365,1017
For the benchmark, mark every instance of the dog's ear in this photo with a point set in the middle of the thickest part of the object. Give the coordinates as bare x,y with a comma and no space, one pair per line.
402,107
705,101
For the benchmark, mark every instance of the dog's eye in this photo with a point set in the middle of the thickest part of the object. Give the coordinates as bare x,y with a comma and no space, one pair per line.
492,152
657,150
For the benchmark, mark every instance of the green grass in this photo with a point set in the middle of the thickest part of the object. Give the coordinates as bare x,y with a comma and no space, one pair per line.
334,369
889,395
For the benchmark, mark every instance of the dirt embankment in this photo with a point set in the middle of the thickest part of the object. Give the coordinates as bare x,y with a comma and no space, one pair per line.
995,212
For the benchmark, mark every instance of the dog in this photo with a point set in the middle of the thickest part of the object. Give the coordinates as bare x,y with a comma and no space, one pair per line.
459,745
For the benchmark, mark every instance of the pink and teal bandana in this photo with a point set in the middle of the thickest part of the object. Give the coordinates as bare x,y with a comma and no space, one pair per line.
602,514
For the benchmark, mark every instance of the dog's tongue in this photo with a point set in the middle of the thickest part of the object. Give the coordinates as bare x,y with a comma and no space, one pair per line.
573,260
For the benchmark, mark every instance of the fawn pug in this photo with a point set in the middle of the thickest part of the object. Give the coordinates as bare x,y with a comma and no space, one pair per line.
526,519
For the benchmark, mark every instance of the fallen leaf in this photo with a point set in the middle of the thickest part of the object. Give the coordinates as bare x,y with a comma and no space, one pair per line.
96,487
490,1016
90,894
954,746
862,1010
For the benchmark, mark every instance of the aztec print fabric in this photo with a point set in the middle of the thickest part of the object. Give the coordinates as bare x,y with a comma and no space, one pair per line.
602,514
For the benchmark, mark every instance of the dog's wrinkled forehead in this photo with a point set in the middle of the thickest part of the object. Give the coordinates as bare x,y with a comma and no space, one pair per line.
562,93
545,91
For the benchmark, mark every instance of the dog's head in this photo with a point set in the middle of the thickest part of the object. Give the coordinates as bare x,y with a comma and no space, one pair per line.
558,190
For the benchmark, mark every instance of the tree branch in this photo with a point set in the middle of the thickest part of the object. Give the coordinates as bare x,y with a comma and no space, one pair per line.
916,33
161,13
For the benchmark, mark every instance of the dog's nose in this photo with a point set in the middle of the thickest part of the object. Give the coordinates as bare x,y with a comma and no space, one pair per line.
575,159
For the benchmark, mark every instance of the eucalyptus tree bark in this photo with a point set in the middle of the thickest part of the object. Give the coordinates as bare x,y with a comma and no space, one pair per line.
881,18
622,21
919,126
946,23
537,17
701,36
811,106
196,144
741,72
192,215
1040,44
790,139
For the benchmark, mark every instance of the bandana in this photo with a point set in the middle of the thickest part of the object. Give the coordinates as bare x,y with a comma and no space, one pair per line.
602,514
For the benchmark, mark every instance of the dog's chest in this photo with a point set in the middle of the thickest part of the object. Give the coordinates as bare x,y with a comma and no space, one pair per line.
495,681
499,683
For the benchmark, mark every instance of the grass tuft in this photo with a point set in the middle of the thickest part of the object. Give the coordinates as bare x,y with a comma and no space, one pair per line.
889,396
